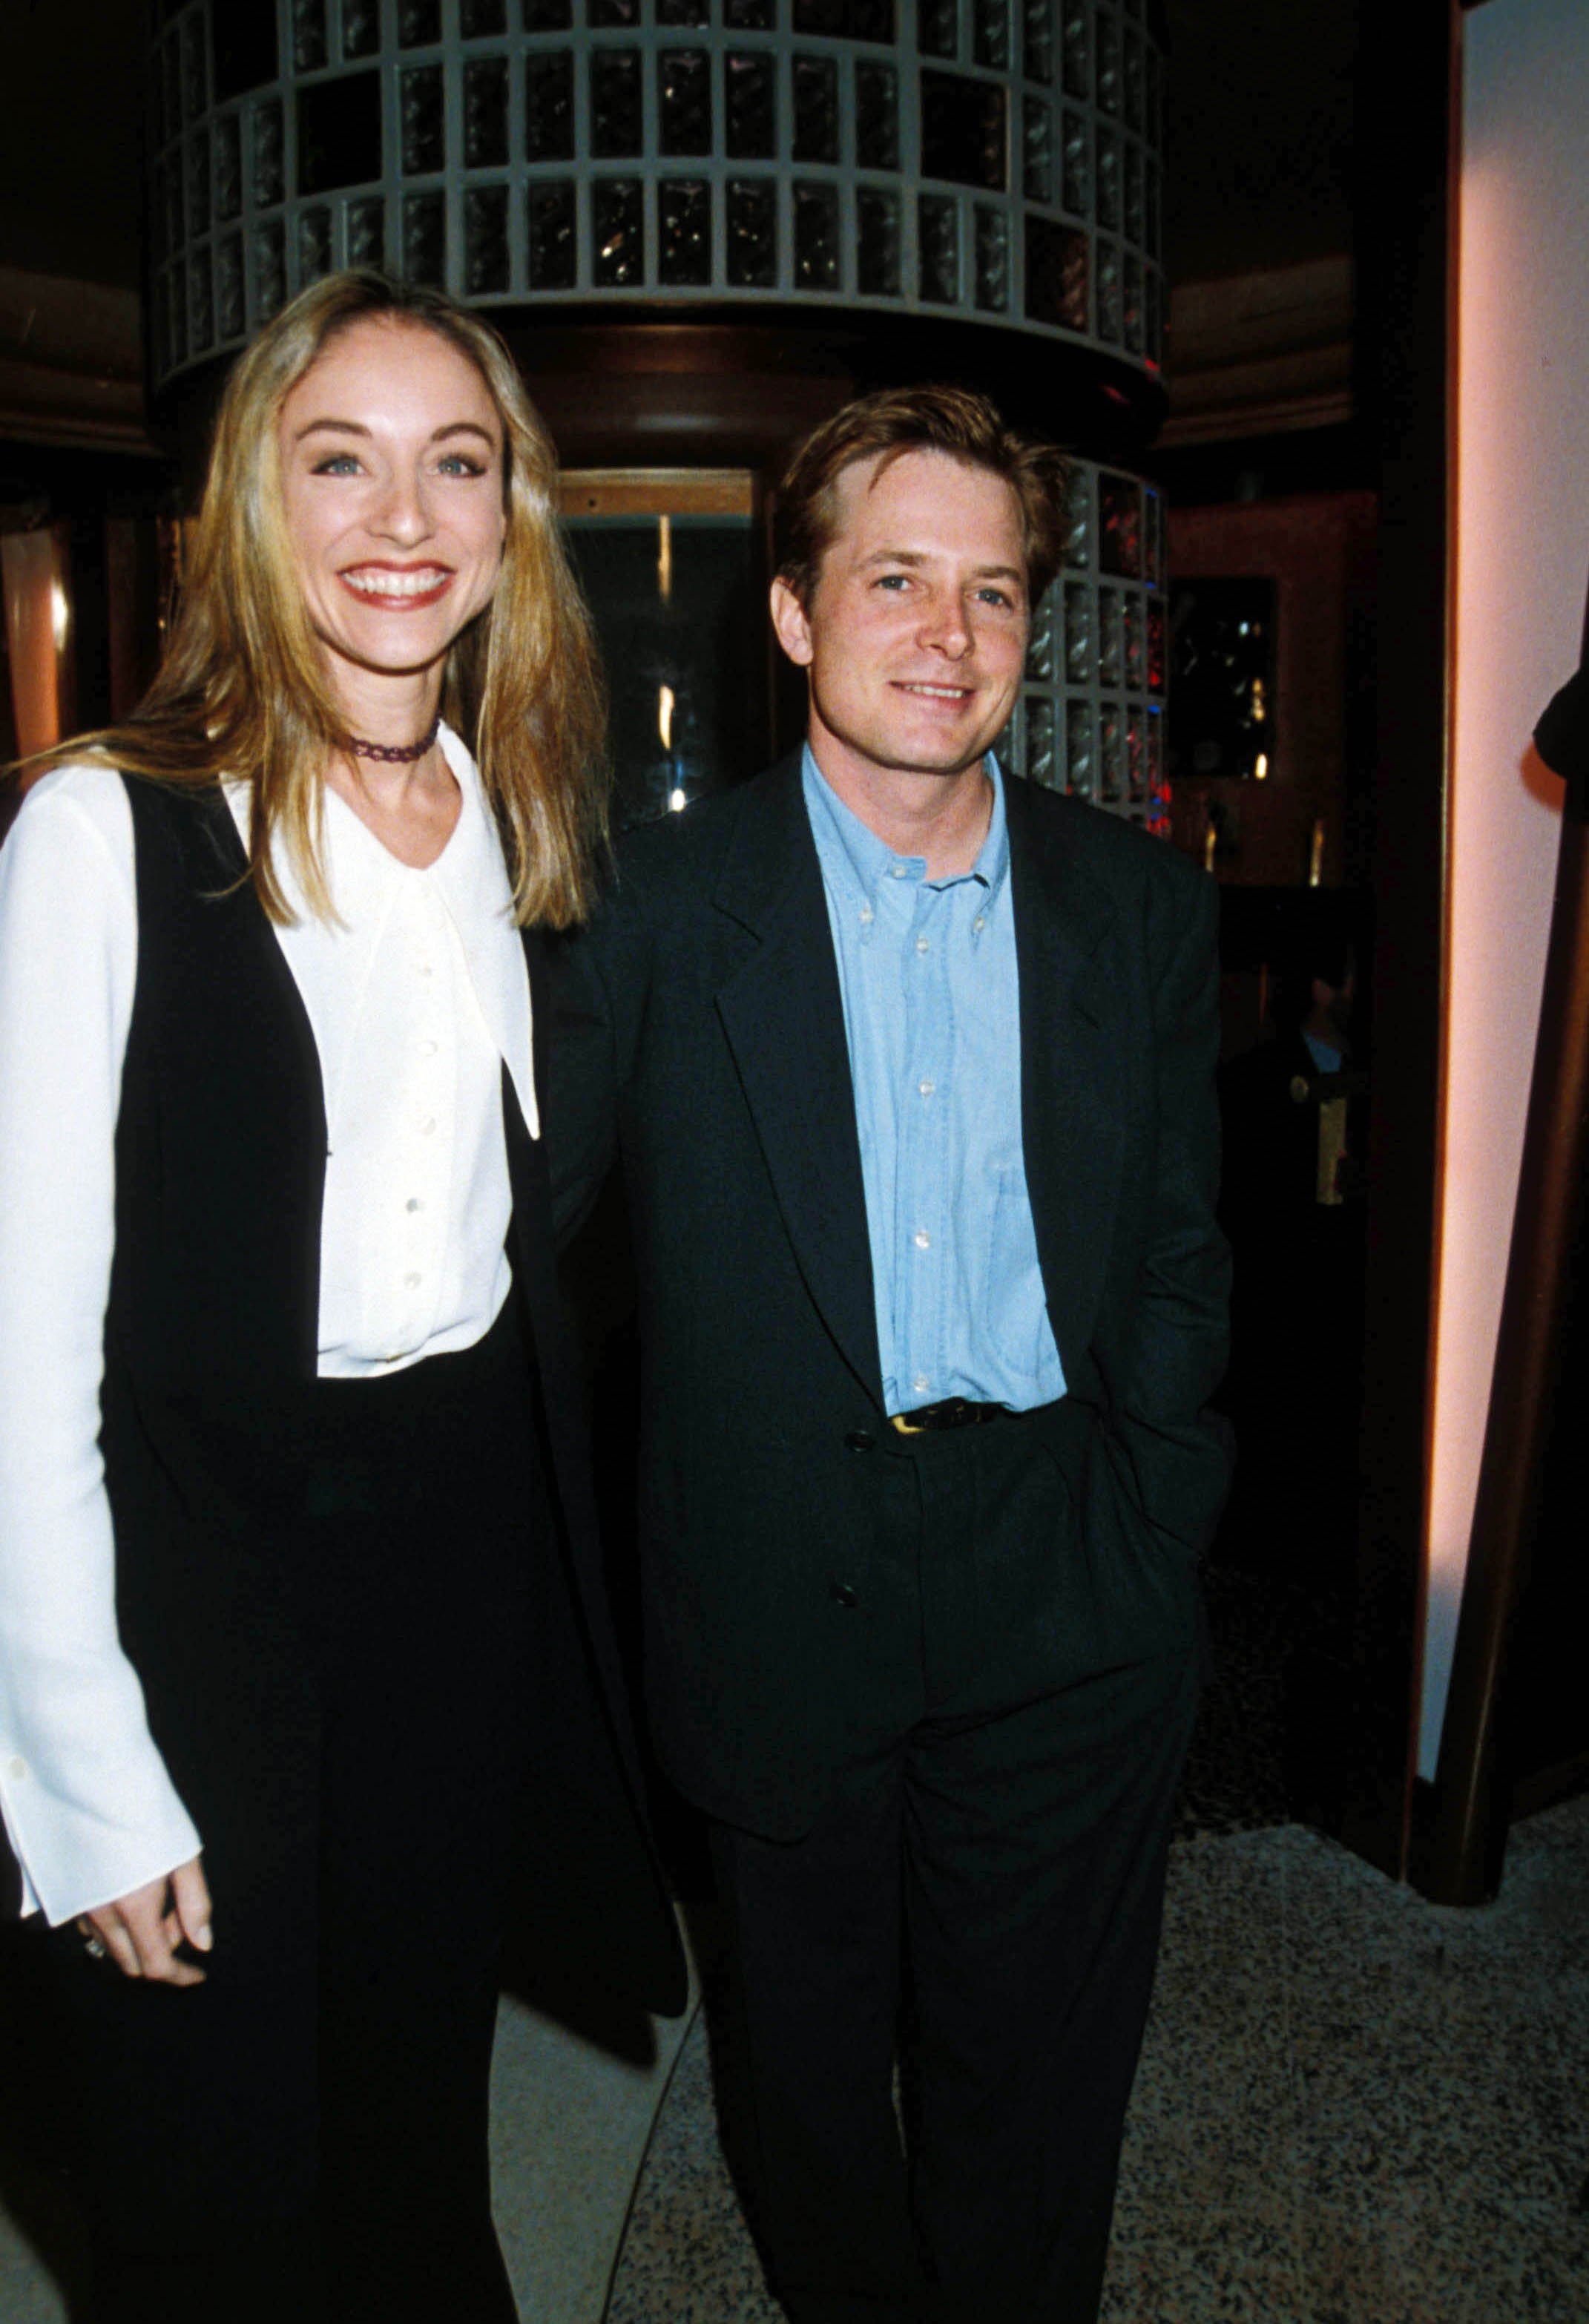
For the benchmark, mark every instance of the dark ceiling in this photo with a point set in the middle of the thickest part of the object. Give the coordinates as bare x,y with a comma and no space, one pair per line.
1257,162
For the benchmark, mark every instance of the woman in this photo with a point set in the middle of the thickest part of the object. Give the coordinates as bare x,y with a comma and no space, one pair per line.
282,1620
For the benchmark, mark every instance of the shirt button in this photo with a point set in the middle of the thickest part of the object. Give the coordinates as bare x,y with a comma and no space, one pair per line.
428,1049
923,946
17,1770
923,1240
921,1384
897,870
424,968
866,916
978,923
427,1125
926,1088
411,1282
413,1204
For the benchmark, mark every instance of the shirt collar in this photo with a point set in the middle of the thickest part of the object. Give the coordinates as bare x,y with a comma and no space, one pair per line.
845,842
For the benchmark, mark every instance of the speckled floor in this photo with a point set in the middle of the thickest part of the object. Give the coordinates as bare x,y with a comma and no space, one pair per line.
1354,2108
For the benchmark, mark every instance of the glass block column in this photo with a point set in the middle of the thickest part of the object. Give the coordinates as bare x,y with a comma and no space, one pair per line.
992,164
992,159
1090,719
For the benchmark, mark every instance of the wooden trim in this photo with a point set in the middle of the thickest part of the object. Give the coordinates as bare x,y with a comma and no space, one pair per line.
657,492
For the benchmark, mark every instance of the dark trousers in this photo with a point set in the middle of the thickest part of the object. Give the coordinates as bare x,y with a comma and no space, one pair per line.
993,1862
306,2134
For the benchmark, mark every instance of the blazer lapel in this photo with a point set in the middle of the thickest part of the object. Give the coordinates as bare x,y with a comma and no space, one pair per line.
783,1013
1070,1128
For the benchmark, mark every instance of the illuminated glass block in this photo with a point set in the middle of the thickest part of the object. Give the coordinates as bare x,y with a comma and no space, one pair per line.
548,16
684,216
314,244
418,23
1077,197
425,237
199,205
1120,529
1037,150
1108,79
1037,39
602,14
201,307
548,106
1136,673
963,131
1079,517
753,233
1111,752
816,237
485,240
1134,80
877,115
230,308
309,35
684,92
1110,639
618,233
615,102
992,259
479,18
938,28
816,109
991,33
1076,47
424,120
1137,772
937,234
366,232
1153,535
269,267
361,28
751,15
1133,215
1040,645
1158,787
1156,659
752,111
1107,196
1108,320
877,256
268,185
1132,300
1056,274
554,239
683,12
1043,764
485,113
1080,638
1080,747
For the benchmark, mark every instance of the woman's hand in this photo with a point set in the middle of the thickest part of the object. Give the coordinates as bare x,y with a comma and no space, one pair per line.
140,1932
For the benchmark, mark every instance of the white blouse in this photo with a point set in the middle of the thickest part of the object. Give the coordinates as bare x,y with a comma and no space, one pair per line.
416,1000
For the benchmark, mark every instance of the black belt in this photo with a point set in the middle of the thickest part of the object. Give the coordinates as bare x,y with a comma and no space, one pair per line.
950,1412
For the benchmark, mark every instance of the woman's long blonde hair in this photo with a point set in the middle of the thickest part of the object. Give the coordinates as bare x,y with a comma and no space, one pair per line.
242,690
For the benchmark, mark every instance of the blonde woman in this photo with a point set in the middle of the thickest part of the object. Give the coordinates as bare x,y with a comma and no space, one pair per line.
290,1474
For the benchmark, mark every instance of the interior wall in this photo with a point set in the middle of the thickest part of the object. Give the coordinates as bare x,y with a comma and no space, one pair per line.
1522,560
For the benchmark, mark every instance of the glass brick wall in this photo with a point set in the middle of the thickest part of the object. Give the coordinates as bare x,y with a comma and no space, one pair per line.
995,160
988,161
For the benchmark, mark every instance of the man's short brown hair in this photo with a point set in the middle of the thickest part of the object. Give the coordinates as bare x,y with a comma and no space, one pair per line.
898,419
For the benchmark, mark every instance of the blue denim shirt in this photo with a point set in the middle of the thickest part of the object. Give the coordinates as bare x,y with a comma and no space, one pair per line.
932,1017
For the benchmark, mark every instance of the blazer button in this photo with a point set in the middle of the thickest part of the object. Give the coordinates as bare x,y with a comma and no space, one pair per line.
861,1440
842,1594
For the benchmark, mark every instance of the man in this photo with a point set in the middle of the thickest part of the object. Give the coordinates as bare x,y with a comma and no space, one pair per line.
911,1068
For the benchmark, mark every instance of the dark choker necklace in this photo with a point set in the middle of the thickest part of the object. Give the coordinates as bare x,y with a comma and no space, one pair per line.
396,754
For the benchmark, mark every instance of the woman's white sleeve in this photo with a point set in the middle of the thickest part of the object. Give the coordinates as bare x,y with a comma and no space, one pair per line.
89,1809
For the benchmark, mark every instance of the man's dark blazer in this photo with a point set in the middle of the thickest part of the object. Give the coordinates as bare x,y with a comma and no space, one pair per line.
699,1019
